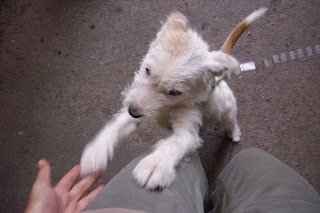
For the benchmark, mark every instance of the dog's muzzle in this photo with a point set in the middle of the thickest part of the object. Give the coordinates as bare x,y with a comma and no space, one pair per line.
134,112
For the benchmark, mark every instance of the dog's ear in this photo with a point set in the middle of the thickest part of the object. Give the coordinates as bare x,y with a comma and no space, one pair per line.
219,63
177,21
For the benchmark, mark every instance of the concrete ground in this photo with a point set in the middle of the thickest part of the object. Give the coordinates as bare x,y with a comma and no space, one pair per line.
63,65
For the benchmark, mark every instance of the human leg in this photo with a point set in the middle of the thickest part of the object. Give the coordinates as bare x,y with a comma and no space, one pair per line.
255,181
186,193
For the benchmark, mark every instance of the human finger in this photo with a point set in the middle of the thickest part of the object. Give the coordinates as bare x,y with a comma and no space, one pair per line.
80,188
68,179
44,172
86,200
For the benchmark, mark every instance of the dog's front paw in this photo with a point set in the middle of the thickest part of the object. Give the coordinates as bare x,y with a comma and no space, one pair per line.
154,172
94,159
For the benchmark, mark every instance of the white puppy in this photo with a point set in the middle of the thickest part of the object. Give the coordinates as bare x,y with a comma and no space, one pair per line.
173,87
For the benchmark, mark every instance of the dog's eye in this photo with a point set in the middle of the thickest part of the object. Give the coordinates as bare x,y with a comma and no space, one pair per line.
174,92
147,71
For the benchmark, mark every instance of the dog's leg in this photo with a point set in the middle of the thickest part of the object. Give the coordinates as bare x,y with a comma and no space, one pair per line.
223,105
229,120
95,156
158,168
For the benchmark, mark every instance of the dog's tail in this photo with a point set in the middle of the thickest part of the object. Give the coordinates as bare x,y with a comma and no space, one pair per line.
240,28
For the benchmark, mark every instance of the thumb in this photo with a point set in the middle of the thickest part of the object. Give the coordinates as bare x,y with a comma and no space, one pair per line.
44,172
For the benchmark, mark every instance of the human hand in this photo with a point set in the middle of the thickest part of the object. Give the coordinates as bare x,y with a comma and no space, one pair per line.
65,196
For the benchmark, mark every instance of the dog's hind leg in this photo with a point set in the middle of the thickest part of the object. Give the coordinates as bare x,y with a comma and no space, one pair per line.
96,154
229,120
222,105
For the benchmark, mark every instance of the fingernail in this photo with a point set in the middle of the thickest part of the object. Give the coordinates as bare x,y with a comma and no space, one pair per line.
77,167
40,163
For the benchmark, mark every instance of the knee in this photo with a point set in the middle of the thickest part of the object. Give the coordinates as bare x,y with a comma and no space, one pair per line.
250,156
250,151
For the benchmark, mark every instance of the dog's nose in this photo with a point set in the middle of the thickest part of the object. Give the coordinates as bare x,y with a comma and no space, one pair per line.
134,112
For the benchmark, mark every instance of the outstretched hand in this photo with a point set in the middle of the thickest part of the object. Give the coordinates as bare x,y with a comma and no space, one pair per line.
65,196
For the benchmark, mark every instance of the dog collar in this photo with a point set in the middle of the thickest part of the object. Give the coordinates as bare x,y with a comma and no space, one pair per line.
216,83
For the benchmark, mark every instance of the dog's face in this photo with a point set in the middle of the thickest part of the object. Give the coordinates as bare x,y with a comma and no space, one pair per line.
176,71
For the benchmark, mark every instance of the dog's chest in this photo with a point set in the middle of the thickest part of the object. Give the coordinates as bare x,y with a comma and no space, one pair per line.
163,120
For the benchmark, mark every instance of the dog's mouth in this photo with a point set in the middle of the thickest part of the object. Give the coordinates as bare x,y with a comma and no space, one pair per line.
134,112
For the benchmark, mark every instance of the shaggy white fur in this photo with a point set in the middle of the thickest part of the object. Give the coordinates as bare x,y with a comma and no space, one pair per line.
173,87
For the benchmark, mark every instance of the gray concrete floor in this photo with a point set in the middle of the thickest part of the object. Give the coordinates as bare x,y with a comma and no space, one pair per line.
63,65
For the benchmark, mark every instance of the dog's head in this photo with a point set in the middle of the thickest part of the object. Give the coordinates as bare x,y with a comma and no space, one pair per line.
176,71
